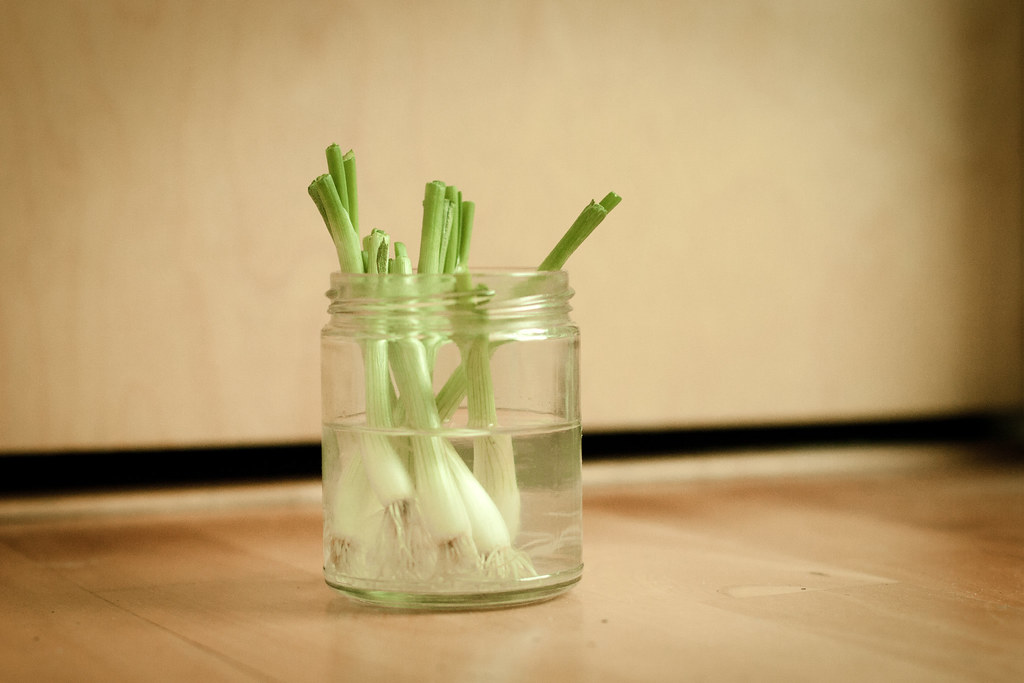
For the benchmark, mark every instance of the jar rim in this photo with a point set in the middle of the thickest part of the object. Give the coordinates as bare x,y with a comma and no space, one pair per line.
498,276
499,271
501,293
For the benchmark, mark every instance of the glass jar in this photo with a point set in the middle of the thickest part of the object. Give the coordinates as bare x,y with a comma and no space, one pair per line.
451,438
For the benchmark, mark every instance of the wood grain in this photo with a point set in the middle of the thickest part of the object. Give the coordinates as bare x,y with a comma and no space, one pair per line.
910,573
821,216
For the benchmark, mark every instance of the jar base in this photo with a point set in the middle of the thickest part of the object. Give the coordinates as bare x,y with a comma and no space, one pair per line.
480,600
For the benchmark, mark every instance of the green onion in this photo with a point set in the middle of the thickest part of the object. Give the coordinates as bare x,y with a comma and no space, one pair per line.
579,231
351,516
346,240
465,233
336,169
314,194
454,390
349,162
408,506
403,264
433,226
493,457
440,503
450,246
447,224
377,249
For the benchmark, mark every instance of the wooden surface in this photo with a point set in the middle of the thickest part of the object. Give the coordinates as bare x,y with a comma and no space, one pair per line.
884,564
830,191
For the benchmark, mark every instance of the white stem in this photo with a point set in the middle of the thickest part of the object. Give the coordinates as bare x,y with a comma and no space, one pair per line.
489,530
442,508
351,513
495,468
353,503
498,559
494,461
384,467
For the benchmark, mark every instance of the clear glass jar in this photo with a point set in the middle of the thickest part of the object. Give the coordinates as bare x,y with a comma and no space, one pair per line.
451,439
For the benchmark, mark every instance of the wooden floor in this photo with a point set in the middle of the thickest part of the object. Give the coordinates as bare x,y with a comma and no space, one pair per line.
852,565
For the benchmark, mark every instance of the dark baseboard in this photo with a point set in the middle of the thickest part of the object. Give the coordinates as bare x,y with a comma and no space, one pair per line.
959,428
65,472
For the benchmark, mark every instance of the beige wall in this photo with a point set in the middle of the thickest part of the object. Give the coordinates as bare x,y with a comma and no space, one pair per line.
822,215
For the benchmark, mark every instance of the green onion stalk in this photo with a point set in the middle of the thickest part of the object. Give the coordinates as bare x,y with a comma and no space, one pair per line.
408,507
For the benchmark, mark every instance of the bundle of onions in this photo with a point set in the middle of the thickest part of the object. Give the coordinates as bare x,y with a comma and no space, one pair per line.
417,511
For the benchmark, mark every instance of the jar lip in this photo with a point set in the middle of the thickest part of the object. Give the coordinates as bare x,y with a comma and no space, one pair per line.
497,271
498,291
494,274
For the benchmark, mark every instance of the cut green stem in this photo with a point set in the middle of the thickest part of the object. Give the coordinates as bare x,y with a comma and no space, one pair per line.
581,228
349,162
431,231
467,213
450,250
336,169
346,241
